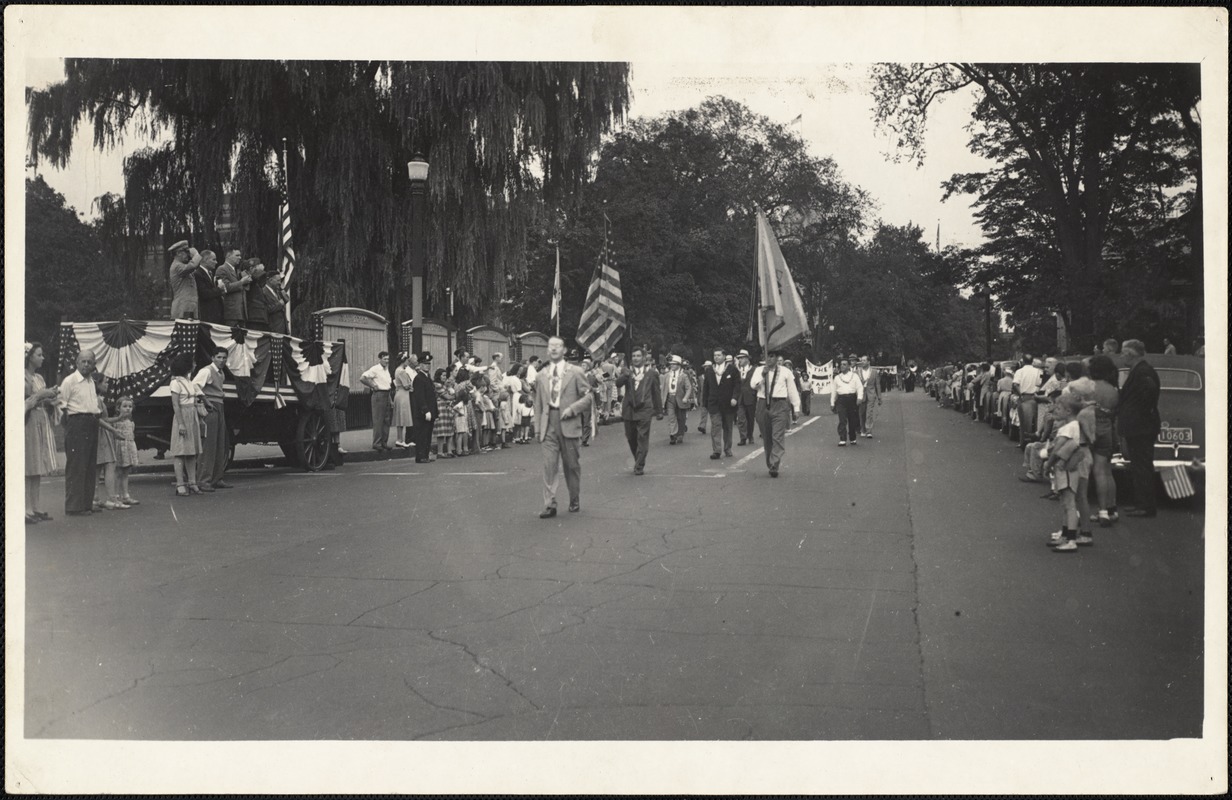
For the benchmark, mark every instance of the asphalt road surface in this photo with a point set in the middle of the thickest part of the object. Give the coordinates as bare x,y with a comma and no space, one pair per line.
898,590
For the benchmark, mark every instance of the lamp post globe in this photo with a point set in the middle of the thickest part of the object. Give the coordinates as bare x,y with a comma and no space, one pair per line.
417,171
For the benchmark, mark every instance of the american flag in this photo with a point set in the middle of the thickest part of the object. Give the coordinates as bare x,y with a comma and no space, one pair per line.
1176,482
603,316
286,251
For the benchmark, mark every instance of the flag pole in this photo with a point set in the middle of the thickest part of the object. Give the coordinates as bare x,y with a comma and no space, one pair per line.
286,199
556,292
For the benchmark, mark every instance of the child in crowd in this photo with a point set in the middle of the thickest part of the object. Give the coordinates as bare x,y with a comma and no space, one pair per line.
125,449
525,412
443,427
106,459
486,412
1069,460
461,422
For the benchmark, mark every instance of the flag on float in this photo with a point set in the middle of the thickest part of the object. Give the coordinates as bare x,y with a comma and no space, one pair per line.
1176,482
781,321
556,294
603,316
286,250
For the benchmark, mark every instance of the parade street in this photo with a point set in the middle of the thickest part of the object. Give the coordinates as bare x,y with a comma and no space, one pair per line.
900,589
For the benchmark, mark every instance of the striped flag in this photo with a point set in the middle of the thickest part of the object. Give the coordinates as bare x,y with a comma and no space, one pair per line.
603,316
286,251
1176,482
556,294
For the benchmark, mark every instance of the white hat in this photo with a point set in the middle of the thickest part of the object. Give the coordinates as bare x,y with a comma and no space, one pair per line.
675,360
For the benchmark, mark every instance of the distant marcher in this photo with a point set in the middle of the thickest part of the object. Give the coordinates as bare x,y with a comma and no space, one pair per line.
186,423
209,296
720,385
79,401
212,462
235,290
402,422
846,394
678,398
871,397
378,379
1138,424
41,412
642,403
746,408
184,261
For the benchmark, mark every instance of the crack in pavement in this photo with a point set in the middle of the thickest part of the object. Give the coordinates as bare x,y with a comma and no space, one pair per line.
433,585
481,665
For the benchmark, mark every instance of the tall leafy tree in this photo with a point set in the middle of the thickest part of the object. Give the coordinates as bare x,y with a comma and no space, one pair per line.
501,139
1095,165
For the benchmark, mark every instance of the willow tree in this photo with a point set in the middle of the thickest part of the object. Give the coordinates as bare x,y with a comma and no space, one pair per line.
502,139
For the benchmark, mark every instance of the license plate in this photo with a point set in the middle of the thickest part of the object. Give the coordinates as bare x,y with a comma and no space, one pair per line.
1176,435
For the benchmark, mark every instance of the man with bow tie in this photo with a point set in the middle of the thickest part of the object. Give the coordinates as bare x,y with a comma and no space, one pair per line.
561,394
642,402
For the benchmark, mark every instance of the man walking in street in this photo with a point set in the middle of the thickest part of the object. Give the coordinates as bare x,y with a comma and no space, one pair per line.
79,401
777,389
184,261
1137,421
871,398
677,391
378,380
746,398
719,386
212,461
235,290
641,403
561,392
423,407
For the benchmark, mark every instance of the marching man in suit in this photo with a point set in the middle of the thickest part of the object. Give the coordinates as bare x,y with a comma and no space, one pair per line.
677,391
562,393
642,401
872,397
746,398
720,385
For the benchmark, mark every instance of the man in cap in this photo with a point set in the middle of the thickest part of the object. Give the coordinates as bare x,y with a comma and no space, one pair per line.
377,379
184,260
746,398
678,397
423,406
776,386
719,385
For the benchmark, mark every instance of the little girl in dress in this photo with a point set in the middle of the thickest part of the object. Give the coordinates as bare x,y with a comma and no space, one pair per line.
461,418
125,449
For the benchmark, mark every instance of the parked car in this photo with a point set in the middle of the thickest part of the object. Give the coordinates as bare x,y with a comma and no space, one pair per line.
1182,413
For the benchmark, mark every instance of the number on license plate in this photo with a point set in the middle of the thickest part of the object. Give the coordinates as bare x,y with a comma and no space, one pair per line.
1176,435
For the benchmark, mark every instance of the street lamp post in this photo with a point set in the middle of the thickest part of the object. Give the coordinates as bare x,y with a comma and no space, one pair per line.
417,169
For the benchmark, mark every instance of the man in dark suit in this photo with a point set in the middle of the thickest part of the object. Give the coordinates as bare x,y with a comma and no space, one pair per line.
1137,420
561,394
209,296
720,383
746,398
235,290
642,401
423,407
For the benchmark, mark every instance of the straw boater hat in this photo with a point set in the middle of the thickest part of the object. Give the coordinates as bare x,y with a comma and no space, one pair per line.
178,246
675,360
744,353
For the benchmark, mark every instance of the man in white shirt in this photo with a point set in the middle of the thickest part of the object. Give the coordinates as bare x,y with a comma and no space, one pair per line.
377,379
79,401
846,394
1027,381
496,372
776,386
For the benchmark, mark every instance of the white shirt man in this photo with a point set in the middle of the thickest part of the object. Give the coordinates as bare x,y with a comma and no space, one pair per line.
1028,380
776,385
377,379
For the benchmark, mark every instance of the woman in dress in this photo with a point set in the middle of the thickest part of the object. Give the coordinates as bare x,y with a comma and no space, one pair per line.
40,439
402,422
185,425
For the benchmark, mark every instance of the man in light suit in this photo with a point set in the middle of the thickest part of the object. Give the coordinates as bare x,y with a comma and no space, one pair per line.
677,391
561,394
641,402
184,261
720,383
872,397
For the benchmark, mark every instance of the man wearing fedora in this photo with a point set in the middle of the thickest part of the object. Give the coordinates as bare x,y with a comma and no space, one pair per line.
719,386
423,406
184,260
678,397
746,398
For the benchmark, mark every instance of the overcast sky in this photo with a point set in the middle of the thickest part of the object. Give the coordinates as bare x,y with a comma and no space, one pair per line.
833,102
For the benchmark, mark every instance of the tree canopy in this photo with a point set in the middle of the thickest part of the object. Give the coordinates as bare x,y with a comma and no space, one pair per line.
1093,207
500,137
